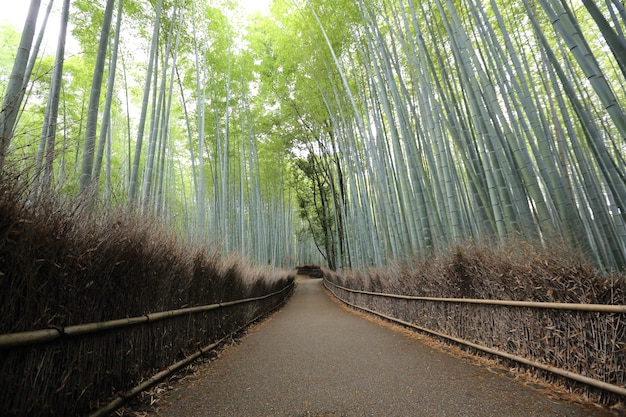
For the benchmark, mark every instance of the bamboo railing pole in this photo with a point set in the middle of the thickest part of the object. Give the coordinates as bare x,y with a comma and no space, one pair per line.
161,315
81,329
599,308
121,399
13,340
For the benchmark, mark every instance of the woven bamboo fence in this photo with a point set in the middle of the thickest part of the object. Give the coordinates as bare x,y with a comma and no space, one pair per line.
581,345
77,369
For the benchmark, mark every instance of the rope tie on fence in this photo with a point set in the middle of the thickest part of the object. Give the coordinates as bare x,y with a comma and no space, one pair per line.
59,329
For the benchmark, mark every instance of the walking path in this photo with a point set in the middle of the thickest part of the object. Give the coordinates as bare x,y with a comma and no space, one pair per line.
313,358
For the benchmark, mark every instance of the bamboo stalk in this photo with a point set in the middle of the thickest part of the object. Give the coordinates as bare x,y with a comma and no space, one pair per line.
13,340
600,308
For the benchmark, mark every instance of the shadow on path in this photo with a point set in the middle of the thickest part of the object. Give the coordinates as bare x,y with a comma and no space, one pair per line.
315,359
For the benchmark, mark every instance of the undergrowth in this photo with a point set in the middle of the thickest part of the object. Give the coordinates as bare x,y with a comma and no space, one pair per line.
65,262
514,270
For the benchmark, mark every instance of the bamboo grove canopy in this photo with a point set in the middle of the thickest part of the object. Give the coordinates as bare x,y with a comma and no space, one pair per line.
344,132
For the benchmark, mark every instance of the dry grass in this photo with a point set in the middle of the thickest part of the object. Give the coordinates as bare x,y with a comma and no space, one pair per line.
66,263
509,271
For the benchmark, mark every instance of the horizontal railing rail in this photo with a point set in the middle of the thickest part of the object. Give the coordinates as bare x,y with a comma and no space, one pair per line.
600,308
21,339
588,308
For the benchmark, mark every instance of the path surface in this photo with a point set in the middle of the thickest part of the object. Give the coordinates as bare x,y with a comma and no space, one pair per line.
313,358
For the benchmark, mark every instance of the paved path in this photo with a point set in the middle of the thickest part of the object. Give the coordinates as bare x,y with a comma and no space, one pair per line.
315,359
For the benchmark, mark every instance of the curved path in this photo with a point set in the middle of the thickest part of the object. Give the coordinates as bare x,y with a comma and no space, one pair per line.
313,358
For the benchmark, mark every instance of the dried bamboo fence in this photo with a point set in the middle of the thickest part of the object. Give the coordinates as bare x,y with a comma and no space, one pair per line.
77,369
584,344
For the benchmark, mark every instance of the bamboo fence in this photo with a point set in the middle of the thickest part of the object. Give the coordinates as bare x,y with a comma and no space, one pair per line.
583,343
77,369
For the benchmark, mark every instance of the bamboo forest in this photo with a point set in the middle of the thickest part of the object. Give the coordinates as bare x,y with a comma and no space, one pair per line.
342,133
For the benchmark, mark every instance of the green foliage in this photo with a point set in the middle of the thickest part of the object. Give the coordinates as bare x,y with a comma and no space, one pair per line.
9,41
313,193
426,122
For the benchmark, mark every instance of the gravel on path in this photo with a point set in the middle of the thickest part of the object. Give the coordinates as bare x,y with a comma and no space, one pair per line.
313,358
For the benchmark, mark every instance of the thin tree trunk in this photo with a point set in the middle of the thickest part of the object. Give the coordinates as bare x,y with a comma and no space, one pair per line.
11,102
200,110
31,64
615,42
106,118
44,159
55,92
158,122
94,100
134,176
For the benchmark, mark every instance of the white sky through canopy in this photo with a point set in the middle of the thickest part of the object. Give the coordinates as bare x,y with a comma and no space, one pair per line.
13,13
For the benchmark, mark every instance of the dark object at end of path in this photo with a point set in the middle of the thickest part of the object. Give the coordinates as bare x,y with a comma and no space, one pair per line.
312,271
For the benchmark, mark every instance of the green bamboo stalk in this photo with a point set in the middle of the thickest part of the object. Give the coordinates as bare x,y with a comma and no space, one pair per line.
17,81
152,59
94,100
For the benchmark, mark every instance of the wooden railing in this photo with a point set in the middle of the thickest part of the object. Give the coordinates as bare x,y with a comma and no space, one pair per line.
585,343
96,367
21,339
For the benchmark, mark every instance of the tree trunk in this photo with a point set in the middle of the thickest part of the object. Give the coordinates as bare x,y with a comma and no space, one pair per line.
11,102
94,100
106,117
134,176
